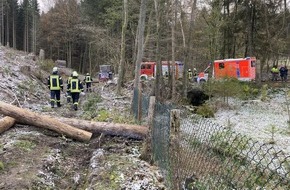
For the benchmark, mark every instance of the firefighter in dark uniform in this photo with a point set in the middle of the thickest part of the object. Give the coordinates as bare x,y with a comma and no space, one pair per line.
88,80
189,74
75,87
68,98
55,84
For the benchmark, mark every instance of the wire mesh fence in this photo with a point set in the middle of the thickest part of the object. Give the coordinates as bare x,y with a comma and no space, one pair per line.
204,155
215,157
140,104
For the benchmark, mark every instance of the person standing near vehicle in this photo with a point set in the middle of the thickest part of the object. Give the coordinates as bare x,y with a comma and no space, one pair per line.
275,73
283,73
68,98
55,84
189,75
75,87
88,80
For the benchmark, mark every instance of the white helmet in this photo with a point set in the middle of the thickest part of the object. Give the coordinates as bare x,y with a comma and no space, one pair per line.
189,69
54,69
75,74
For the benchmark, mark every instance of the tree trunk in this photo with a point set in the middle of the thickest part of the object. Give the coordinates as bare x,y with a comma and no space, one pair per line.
123,48
141,28
7,28
118,129
30,118
173,41
157,88
188,47
6,123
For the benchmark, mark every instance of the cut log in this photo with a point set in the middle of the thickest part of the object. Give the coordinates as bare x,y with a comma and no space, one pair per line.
30,118
6,123
115,129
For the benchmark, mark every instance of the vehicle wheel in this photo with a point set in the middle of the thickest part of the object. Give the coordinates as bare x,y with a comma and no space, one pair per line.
202,81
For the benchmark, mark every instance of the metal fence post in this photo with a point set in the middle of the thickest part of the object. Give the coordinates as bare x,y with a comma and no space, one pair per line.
174,148
147,148
139,116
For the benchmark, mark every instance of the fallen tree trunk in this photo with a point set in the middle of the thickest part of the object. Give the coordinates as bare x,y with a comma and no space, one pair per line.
116,129
6,123
30,118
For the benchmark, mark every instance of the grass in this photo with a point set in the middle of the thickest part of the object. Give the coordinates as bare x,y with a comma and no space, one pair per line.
1,166
25,145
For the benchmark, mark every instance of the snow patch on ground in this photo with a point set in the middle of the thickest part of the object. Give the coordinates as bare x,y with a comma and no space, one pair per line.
259,119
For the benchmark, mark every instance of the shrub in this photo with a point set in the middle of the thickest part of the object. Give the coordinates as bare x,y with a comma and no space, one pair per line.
102,116
205,111
90,106
46,64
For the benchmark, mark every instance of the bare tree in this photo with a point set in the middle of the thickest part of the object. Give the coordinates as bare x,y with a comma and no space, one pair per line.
123,48
158,76
140,51
172,78
188,47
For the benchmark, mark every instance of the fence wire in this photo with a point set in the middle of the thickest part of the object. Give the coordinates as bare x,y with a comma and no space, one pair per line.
215,157
161,137
209,156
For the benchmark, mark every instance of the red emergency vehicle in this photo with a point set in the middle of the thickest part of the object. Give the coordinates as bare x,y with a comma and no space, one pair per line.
148,69
241,68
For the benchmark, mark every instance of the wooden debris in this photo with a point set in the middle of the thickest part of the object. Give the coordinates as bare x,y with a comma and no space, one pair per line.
6,123
25,116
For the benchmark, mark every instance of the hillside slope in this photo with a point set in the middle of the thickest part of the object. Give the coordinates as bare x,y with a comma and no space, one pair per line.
35,158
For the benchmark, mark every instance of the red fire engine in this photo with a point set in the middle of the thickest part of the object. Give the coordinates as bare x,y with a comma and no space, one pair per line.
148,69
241,68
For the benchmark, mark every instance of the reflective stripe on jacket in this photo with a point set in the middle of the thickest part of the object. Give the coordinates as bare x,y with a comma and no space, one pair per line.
74,85
88,79
69,79
54,82
274,70
189,74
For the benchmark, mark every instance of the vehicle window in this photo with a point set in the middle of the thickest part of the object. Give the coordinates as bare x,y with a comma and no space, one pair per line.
221,65
253,63
148,66
142,66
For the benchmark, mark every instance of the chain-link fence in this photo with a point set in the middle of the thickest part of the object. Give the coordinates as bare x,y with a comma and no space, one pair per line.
140,105
204,155
215,157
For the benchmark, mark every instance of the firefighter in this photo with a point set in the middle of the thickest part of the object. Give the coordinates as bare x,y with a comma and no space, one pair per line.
55,84
88,80
75,87
68,98
189,74
166,74
195,75
275,73
283,73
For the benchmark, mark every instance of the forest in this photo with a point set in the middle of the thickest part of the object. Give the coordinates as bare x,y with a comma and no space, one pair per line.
90,33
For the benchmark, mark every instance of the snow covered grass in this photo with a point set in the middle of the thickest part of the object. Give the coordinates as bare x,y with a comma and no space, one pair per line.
263,121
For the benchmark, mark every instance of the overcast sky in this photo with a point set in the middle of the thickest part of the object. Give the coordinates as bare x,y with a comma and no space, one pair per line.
44,5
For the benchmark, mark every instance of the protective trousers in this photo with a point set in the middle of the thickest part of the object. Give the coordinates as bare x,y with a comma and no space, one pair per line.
88,85
55,97
75,98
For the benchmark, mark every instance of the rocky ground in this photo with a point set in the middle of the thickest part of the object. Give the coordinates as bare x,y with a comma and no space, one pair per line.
36,158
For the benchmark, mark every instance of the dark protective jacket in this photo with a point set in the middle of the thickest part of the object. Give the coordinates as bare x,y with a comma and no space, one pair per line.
88,79
54,82
75,86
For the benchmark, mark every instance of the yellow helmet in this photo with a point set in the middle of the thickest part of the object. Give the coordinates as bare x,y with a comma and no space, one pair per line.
75,74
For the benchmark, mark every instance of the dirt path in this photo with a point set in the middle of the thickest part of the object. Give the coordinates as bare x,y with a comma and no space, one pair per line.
35,158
